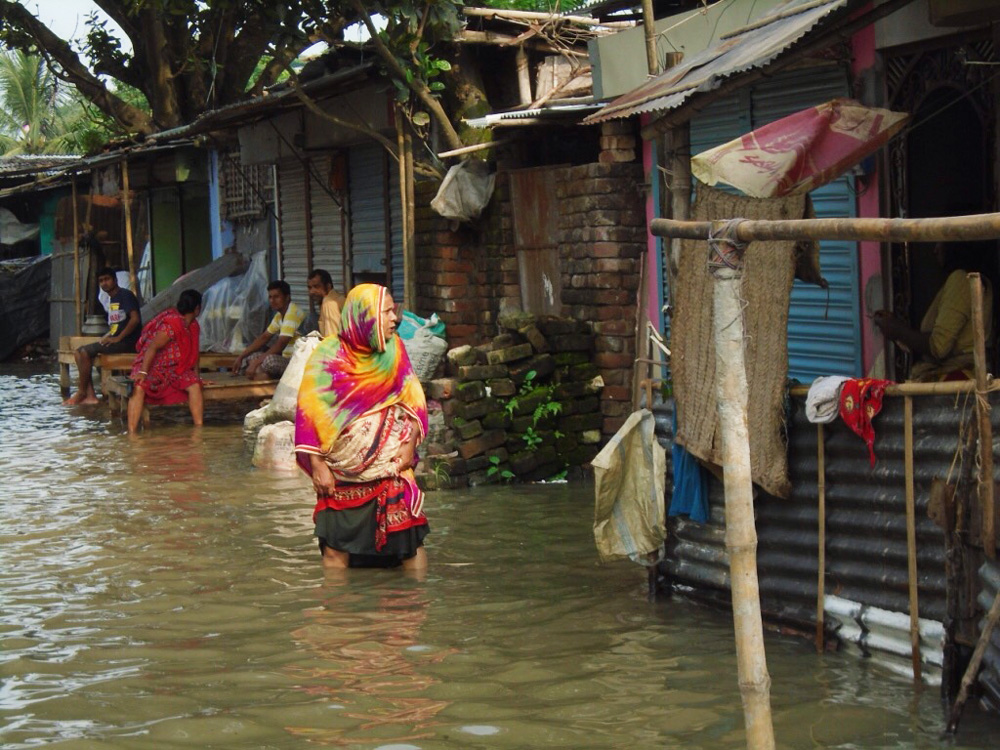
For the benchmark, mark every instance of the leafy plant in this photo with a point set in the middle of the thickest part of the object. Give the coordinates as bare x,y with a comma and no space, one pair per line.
441,473
531,438
494,470
546,409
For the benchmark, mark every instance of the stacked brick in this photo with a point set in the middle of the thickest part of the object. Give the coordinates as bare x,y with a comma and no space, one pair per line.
603,228
523,407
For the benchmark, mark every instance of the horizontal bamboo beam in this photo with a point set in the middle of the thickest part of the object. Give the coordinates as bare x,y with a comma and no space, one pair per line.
528,15
943,229
947,388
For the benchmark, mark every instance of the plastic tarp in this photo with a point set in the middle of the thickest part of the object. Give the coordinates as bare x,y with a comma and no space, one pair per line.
801,152
629,486
465,191
13,231
234,310
24,302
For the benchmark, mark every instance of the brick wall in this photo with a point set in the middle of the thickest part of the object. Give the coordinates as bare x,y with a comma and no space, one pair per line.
469,275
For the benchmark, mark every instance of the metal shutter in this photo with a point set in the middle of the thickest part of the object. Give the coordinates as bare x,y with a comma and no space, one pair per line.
292,201
327,229
368,219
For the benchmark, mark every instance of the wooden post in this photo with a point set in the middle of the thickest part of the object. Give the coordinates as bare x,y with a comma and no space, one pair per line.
127,200
406,192
983,409
523,75
77,303
741,534
911,536
821,545
973,668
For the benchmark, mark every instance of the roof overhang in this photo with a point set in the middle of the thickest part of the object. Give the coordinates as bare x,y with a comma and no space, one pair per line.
786,35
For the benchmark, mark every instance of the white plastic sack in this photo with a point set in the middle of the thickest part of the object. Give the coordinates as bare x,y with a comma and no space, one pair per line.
629,485
275,447
286,393
425,351
465,191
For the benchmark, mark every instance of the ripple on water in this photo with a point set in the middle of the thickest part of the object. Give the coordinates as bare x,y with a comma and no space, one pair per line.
159,593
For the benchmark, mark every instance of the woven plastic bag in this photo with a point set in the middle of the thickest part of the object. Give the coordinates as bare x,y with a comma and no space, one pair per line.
629,485
425,343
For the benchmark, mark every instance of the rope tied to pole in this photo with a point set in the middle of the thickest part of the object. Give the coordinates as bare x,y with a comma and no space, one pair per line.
725,249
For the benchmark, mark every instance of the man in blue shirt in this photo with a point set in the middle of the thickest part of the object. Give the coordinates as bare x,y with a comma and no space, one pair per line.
124,327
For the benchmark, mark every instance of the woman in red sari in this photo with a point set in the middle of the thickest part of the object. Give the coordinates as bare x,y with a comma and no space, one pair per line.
166,365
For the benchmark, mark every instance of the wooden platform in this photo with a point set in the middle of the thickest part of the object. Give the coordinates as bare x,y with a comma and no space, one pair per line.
221,386
109,364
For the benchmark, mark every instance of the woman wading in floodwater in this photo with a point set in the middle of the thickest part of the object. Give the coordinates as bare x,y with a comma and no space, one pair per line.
361,415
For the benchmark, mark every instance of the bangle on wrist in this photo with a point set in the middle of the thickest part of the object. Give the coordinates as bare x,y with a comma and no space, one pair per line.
143,372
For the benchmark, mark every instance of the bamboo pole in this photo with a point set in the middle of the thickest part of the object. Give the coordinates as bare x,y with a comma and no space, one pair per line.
983,410
127,200
973,668
77,302
523,75
410,230
947,229
911,536
945,388
741,534
649,29
821,546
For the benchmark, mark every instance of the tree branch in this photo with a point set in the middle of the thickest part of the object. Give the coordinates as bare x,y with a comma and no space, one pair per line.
418,87
120,16
131,118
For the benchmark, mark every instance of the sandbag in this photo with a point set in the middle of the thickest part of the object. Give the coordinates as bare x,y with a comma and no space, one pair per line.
629,485
275,447
286,393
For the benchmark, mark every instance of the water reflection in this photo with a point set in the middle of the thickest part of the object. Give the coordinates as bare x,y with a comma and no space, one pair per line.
363,645
160,593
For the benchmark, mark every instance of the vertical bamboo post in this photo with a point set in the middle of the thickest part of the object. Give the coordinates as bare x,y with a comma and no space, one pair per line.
411,222
821,546
986,500
77,303
127,200
911,535
649,27
523,75
741,534
992,617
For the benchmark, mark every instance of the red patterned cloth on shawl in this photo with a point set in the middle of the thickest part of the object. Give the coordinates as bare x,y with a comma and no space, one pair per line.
860,401
358,403
175,366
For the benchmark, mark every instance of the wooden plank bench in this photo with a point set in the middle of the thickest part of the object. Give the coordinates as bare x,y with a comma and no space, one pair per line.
222,386
109,364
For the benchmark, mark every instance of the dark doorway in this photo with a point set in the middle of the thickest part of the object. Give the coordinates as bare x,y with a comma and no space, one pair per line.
948,175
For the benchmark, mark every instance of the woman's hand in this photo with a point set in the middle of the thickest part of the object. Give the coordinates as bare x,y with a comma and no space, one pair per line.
889,324
322,477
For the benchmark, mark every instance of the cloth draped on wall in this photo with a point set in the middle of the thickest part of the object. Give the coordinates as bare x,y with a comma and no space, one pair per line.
770,269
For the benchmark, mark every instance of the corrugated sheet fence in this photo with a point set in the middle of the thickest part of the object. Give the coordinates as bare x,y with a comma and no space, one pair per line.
866,584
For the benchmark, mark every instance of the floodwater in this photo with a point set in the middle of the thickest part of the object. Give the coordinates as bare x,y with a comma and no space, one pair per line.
159,592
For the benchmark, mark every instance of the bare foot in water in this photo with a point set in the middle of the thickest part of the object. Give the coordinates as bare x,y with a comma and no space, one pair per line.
80,398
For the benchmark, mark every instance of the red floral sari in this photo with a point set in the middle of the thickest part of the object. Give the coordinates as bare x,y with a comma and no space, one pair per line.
175,366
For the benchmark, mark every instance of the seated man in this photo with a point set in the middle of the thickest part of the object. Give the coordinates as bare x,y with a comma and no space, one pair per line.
268,354
331,302
125,325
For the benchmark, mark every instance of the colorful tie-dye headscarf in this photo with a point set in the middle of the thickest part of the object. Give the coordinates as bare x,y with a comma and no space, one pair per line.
358,372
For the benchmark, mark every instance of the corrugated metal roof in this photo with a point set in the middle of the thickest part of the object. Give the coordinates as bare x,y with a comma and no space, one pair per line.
12,166
756,45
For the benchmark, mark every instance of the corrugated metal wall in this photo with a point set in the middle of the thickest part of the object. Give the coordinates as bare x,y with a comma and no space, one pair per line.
368,220
989,677
62,294
865,530
824,326
327,230
292,198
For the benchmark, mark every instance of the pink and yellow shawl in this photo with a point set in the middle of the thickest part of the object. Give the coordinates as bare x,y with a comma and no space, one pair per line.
358,372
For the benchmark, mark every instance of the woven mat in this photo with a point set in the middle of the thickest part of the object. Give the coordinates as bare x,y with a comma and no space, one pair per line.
767,284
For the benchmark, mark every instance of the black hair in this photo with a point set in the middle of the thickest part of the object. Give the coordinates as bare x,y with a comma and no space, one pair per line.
108,271
282,285
324,276
188,301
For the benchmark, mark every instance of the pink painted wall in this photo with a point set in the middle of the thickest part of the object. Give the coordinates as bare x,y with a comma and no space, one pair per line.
870,256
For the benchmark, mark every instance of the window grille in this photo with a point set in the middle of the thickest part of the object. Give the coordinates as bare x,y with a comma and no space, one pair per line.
247,189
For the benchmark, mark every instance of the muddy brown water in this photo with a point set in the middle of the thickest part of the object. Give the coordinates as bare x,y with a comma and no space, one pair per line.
159,592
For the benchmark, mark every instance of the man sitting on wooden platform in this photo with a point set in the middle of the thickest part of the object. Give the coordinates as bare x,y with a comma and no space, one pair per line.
267,356
125,326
